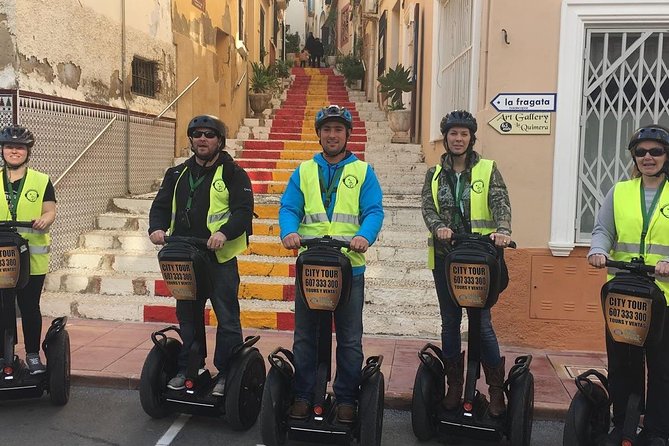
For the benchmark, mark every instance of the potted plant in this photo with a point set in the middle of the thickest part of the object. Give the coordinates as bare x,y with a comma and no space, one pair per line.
293,48
352,69
394,83
261,86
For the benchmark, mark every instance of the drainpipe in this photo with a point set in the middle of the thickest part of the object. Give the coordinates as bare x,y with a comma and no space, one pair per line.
125,101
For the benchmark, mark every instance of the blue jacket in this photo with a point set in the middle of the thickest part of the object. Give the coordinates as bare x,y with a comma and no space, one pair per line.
371,202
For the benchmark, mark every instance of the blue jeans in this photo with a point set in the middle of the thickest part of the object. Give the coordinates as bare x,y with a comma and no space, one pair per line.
348,324
451,318
226,306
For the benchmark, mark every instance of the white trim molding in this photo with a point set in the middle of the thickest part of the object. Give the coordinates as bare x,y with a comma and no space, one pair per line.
575,17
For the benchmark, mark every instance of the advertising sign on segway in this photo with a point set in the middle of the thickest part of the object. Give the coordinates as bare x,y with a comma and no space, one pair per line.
324,276
185,266
16,381
473,270
634,310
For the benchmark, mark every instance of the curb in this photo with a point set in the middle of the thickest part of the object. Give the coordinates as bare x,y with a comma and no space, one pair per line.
392,400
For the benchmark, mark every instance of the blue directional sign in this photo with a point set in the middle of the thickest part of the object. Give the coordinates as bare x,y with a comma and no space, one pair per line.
544,102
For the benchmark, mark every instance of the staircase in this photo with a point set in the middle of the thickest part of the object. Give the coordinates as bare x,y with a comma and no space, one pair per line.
113,273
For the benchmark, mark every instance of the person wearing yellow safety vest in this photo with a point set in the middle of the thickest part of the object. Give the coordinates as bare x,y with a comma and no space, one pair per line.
208,196
339,195
465,193
29,195
633,221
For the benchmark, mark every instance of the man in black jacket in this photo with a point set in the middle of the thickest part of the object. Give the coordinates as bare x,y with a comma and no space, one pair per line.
209,196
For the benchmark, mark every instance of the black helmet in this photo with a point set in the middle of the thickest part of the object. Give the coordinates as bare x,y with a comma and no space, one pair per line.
458,118
651,132
209,122
17,135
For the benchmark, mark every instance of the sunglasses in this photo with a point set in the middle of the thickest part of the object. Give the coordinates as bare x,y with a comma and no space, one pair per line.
208,135
655,151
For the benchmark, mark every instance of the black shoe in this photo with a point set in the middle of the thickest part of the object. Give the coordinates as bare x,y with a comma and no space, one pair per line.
299,410
615,437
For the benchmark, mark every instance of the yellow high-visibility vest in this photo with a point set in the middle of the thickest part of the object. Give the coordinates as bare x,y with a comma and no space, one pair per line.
479,212
345,222
217,215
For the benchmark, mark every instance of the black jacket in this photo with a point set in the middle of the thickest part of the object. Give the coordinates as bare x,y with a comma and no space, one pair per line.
241,200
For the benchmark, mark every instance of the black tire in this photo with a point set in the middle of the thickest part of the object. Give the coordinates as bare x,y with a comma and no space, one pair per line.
274,409
159,367
58,368
521,409
585,423
244,389
370,410
427,394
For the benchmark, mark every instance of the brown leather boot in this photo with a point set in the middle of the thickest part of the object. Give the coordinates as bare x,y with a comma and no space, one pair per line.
494,376
455,371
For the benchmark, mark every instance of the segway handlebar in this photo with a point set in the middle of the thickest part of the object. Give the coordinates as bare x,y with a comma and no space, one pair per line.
475,236
633,266
325,241
195,241
10,224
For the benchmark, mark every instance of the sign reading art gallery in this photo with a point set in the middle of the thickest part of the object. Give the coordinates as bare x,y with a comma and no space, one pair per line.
532,123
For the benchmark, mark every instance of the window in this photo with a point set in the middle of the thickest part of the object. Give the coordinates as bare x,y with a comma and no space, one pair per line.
144,77
241,21
263,49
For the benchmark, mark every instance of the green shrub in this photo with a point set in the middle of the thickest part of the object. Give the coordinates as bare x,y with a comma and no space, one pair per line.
395,82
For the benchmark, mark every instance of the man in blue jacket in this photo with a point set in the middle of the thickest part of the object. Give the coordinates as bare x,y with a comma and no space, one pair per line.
333,194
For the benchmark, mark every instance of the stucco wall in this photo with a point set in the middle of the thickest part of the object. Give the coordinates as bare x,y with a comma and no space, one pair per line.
73,49
527,64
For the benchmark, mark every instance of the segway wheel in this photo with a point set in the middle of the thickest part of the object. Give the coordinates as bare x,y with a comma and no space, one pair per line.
427,395
58,368
160,365
521,409
274,409
587,423
244,390
370,410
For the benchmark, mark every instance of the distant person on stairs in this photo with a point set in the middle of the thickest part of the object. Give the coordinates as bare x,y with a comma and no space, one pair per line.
29,195
209,196
465,193
333,194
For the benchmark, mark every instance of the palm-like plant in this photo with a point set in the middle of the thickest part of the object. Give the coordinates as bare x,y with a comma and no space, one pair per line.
263,80
395,82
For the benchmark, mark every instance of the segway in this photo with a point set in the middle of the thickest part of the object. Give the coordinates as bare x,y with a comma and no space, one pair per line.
15,379
185,264
324,278
634,310
473,271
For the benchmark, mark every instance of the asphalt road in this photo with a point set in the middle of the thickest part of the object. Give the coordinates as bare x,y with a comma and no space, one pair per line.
114,417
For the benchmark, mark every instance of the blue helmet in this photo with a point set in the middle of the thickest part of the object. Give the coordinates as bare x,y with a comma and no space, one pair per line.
333,113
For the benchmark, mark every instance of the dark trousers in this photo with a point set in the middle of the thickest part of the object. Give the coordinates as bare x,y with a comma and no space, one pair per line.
226,307
31,316
627,376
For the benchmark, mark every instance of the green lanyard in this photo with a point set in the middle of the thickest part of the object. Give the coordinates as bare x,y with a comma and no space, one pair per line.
193,187
647,214
332,188
13,198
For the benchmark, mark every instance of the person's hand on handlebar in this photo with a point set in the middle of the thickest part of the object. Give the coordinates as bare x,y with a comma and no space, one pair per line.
359,244
597,260
157,237
501,240
42,223
444,234
216,241
662,268
291,241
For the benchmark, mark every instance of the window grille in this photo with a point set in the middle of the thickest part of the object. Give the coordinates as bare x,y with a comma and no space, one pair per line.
144,75
625,86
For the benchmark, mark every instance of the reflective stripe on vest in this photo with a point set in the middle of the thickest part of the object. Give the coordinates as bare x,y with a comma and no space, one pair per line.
217,215
28,209
629,224
479,213
345,222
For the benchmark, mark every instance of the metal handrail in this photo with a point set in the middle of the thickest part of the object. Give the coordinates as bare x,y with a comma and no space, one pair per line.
176,99
83,152
241,79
